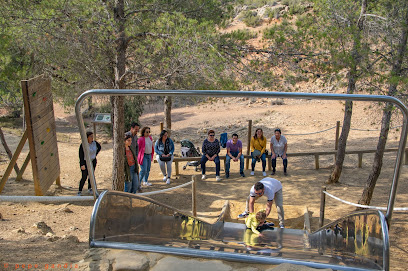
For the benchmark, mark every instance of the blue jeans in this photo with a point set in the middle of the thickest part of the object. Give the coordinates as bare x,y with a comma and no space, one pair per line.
285,164
145,168
133,185
204,160
228,161
263,158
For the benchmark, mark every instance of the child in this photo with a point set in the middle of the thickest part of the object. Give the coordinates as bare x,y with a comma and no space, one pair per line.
256,222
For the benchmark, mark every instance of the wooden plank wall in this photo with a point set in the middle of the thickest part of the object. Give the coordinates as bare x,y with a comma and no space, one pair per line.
41,128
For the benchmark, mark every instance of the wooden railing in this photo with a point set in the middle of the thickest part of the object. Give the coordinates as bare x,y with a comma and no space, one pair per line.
316,154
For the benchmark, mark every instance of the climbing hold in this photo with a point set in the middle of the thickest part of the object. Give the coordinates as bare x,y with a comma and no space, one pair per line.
48,130
34,94
52,154
42,142
44,99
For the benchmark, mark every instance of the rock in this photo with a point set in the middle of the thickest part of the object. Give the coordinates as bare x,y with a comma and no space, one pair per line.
43,228
176,264
130,260
19,230
1,217
67,210
51,237
71,238
73,228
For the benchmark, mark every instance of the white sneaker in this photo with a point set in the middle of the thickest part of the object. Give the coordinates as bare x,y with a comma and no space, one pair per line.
203,177
218,178
168,181
147,184
252,173
264,173
164,178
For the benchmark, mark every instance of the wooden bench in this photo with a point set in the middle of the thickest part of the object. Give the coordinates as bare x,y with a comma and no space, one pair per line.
316,154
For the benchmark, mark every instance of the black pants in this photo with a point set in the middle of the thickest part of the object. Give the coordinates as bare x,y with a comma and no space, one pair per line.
85,175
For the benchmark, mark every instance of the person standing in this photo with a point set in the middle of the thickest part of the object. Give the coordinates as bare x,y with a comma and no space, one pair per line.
279,146
94,149
258,148
145,156
131,167
272,189
211,149
134,129
234,153
164,149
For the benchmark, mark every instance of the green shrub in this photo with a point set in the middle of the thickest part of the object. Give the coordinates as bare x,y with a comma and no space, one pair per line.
251,18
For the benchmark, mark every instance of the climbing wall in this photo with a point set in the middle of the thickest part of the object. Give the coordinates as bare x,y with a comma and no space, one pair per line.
41,129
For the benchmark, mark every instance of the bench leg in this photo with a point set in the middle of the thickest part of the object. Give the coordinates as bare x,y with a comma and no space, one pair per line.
176,164
317,166
360,160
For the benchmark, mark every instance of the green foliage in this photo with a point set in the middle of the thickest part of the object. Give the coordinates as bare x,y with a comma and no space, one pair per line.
253,4
251,18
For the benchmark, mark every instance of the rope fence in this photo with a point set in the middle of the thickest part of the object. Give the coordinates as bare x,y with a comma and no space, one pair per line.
404,209
323,205
165,190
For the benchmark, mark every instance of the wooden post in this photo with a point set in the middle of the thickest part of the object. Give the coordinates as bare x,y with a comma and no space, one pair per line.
6,148
13,160
406,156
322,205
249,142
360,160
94,131
161,126
317,165
336,142
23,168
194,198
176,164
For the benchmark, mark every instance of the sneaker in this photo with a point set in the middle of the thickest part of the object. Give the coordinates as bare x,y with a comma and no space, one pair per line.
79,193
147,184
243,215
270,224
218,178
203,177
226,175
252,173
168,181
242,174
285,173
90,191
264,173
281,226
164,178
273,173
139,190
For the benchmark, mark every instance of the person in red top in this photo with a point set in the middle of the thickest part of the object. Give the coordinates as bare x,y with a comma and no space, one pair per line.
131,167
145,156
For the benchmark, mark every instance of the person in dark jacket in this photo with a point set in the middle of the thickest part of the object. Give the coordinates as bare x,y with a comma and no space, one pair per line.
94,149
132,184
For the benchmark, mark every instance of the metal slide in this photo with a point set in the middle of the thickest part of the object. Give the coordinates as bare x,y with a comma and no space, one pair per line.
122,220
358,241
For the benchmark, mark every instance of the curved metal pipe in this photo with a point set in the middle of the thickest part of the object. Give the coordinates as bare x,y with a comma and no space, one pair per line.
227,93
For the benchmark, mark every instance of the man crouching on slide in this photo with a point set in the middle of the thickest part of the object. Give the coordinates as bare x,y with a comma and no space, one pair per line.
272,189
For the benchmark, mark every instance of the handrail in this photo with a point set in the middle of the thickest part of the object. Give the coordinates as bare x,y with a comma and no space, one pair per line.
258,94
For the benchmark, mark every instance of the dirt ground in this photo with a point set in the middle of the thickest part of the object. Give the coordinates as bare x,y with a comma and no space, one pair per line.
307,124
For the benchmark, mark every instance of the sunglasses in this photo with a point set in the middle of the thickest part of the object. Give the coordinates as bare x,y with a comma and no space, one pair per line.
211,135
260,193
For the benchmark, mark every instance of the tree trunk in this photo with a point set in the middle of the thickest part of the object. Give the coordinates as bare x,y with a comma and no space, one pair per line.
348,110
118,175
167,112
396,72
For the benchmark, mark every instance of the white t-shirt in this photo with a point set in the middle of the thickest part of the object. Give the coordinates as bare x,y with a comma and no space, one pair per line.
148,145
271,186
279,146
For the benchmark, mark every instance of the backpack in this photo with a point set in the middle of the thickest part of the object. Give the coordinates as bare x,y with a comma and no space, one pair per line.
223,140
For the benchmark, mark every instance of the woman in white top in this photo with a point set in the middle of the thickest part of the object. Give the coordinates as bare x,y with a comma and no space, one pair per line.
145,155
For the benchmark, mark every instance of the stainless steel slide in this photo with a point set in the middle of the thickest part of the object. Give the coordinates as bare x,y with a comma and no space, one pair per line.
358,241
